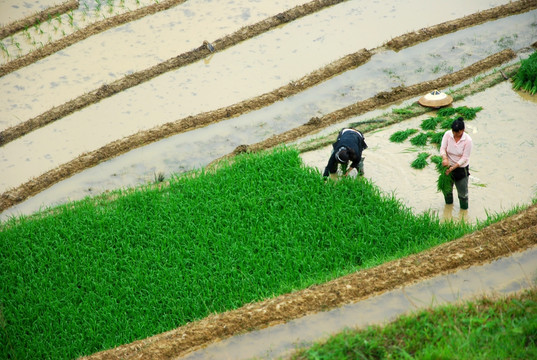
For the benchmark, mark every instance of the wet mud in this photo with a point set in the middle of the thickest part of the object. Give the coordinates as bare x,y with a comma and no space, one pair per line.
202,52
38,184
41,16
510,235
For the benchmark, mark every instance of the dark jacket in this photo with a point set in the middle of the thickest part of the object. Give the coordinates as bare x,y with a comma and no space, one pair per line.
352,139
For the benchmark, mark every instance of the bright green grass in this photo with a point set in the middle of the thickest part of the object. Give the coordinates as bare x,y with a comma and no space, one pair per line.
483,329
95,274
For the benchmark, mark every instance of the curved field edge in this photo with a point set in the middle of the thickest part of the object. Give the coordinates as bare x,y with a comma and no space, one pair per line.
41,16
240,35
34,186
515,233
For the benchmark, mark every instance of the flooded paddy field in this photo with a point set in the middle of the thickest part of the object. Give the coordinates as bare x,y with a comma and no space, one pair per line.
83,131
504,173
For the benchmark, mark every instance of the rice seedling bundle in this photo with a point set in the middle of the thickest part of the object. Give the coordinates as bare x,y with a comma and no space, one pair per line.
421,161
444,183
400,136
526,76
430,123
105,271
419,140
468,113
446,123
436,137
445,112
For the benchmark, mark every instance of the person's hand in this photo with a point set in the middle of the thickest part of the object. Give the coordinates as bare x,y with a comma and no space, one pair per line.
445,161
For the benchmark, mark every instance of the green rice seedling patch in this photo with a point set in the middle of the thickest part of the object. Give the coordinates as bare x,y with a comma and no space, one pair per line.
400,136
526,76
93,275
421,161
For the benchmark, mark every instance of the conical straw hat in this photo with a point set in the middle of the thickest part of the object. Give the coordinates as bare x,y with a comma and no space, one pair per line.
435,99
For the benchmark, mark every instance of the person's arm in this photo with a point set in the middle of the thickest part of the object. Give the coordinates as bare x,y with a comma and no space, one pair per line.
330,165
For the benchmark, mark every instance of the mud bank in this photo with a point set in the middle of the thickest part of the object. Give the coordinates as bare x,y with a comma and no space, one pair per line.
38,184
202,52
41,16
513,234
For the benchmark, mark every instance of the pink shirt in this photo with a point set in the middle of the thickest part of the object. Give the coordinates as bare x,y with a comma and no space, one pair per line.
457,152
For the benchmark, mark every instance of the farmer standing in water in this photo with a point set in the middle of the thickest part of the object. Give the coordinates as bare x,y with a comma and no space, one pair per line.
455,151
349,146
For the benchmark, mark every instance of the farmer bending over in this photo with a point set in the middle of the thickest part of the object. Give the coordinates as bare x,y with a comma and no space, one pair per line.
349,146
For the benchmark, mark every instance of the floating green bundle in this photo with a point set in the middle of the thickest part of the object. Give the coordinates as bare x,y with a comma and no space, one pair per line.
400,136
526,76
419,140
421,161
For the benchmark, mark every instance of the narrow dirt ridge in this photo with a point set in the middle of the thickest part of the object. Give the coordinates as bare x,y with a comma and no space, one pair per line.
41,16
121,146
242,34
513,234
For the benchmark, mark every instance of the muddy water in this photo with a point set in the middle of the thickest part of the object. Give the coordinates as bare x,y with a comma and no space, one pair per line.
132,47
387,164
498,278
281,54
503,168
57,143
384,70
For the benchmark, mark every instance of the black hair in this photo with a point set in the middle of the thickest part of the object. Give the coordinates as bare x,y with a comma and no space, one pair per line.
458,124
343,155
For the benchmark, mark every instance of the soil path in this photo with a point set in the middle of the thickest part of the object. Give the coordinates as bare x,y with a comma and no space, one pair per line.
513,234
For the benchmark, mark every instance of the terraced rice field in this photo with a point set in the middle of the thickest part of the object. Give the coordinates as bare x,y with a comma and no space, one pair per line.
98,96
